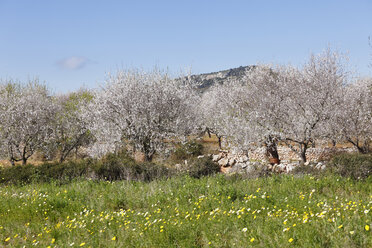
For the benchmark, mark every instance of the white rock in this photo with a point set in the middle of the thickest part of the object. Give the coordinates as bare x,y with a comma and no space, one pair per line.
249,169
223,162
178,166
281,168
290,167
231,161
216,157
242,159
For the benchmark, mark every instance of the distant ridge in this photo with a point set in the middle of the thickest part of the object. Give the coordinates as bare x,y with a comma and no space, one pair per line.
206,80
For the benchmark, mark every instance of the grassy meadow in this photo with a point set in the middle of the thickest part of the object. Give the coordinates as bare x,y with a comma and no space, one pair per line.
214,211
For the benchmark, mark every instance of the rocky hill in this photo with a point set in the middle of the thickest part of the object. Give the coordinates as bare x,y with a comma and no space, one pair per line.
206,80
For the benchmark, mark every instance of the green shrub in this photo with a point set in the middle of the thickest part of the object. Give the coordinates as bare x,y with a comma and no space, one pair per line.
188,150
356,166
63,171
18,174
122,167
198,167
149,172
306,170
111,167
114,167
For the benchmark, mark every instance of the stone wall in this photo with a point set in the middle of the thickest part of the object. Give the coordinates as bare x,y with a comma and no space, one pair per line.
256,160
286,154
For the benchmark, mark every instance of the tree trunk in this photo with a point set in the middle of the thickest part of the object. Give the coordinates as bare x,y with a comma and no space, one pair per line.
24,160
272,147
12,162
61,159
361,148
219,142
148,151
148,156
209,133
303,149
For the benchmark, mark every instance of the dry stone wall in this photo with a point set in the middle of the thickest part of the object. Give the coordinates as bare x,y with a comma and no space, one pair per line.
257,160
287,155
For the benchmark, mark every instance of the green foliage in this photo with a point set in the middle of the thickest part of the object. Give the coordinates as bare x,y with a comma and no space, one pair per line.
198,167
356,166
77,98
188,150
122,167
63,171
306,170
148,172
18,174
112,167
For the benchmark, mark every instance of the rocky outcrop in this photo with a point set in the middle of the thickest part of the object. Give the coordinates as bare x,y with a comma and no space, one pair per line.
206,80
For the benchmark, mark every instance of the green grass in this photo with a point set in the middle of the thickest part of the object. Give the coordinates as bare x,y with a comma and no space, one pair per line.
280,211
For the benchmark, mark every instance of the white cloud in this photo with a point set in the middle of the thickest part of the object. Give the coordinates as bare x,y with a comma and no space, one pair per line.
73,63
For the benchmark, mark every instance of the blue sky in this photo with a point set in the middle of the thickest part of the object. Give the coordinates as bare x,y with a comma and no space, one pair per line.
70,44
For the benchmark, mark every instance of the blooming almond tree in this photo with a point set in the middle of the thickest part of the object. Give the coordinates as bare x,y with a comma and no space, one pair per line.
265,101
298,105
313,101
25,118
292,105
355,118
211,111
142,108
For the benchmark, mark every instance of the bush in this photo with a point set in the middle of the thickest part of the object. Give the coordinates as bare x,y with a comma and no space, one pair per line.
18,174
149,172
63,171
114,167
356,166
122,167
188,150
111,167
198,167
306,170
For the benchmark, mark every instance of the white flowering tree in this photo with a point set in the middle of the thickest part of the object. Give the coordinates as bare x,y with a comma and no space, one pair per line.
287,104
211,111
142,108
355,118
313,103
25,118
70,130
266,96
